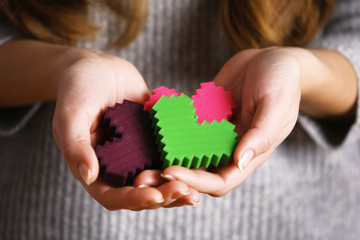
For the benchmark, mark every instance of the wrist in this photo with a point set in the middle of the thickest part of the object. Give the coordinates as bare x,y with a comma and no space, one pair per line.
67,61
328,83
312,73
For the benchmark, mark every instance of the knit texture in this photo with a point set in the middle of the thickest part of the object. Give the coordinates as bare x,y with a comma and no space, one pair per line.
308,189
130,145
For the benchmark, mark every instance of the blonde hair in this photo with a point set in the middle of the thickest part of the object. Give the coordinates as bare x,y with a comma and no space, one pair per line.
265,23
246,23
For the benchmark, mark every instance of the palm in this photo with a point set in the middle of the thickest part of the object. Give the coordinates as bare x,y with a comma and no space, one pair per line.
260,86
86,89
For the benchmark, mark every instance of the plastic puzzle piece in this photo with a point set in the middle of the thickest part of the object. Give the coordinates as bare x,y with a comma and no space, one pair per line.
213,103
131,146
183,141
156,94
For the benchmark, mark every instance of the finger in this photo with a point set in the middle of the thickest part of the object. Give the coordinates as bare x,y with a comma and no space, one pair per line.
145,208
242,120
192,199
73,134
204,182
124,197
172,191
149,178
267,130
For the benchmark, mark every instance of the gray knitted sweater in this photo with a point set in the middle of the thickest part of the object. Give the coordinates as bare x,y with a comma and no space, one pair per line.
308,189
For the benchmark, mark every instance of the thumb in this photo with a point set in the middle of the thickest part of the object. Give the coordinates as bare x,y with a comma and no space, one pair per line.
268,128
73,137
253,143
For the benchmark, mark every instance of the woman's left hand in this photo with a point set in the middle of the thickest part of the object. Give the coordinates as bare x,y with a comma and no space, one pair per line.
266,87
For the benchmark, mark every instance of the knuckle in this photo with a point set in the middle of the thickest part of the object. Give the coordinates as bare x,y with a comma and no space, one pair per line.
66,151
263,141
266,143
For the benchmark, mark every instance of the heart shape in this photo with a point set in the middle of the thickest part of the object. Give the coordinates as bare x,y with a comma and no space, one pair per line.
183,141
156,94
213,103
130,146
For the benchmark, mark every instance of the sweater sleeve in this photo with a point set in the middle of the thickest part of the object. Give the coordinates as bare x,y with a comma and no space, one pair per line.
13,119
342,34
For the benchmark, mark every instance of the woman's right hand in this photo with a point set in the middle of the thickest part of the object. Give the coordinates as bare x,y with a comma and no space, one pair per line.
86,87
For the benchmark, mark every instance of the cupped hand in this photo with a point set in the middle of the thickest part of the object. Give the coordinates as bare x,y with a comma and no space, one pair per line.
86,88
267,88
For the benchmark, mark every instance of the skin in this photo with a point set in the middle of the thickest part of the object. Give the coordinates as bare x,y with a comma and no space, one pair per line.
84,82
320,83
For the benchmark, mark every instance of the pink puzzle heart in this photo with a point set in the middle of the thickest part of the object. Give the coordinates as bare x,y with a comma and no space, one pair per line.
211,102
156,94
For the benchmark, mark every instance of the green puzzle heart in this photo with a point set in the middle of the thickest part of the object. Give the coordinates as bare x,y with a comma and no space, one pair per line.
183,141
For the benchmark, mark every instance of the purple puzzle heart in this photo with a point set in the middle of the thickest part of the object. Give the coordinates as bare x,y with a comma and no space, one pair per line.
130,147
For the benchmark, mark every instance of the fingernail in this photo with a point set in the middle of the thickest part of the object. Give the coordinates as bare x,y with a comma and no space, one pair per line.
194,204
245,159
143,186
85,172
159,201
185,193
155,202
167,177
179,195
